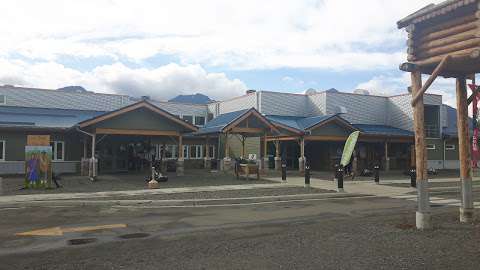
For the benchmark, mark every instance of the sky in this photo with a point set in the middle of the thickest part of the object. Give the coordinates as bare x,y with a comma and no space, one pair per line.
217,47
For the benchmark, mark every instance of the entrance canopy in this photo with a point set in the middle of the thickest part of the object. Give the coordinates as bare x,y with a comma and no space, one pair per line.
249,123
141,118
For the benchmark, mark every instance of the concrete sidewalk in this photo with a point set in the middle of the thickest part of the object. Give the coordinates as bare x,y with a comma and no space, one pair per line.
357,187
106,194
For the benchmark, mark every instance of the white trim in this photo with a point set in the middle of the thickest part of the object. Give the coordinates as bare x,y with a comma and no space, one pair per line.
198,149
450,147
54,151
430,148
4,146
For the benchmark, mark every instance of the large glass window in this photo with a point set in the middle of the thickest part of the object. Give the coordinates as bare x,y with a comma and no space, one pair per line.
199,120
185,152
211,151
58,150
196,151
2,150
3,100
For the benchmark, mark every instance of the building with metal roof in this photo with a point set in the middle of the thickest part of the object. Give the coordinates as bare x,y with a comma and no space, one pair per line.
312,126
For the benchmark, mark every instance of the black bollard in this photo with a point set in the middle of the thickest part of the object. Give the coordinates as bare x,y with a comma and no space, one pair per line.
335,172
284,170
340,178
376,174
307,173
413,177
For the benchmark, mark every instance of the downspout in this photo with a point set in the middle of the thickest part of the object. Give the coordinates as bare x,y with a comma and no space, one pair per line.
444,153
89,134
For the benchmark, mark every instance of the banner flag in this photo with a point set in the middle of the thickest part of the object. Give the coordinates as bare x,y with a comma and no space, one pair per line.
348,148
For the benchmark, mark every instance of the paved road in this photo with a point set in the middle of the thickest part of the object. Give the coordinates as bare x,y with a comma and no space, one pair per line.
317,233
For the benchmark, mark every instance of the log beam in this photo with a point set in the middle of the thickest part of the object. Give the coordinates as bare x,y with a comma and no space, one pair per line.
431,79
472,96
466,210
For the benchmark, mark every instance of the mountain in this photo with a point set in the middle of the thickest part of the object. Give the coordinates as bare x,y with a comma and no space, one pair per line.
73,88
194,99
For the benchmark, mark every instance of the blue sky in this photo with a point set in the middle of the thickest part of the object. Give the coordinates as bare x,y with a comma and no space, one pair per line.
220,48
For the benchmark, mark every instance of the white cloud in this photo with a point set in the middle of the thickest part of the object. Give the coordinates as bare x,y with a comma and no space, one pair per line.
348,34
287,79
161,83
391,85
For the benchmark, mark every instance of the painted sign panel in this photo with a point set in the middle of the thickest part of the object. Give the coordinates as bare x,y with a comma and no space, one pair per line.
349,147
38,166
38,140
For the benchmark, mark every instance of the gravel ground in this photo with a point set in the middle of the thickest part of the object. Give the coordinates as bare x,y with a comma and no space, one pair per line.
119,182
228,194
379,241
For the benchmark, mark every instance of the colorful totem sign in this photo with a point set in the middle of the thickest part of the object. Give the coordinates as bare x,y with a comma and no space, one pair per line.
475,124
38,162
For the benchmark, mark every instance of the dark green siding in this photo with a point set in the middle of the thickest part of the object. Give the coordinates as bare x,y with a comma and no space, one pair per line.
140,119
331,129
17,140
436,154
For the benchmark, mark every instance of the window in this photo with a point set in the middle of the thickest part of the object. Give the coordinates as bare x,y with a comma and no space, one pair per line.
188,118
171,152
450,147
431,146
3,100
211,152
58,150
2,150
199,120
185,152
196,151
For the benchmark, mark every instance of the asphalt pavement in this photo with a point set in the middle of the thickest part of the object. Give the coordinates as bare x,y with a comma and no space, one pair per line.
320,231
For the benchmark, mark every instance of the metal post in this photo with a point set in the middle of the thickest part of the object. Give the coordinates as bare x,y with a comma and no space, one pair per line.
413,178
376,172
340,178
307,173
284,166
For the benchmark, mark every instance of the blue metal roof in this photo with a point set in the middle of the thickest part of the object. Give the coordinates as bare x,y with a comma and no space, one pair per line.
451,130
42,117
382,130
300,123
217,124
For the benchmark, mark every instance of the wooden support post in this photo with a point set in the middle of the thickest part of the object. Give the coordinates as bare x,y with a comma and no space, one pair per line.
227,150
430,79
264,153
243,147
181,158
423,217
180,147
278,159
301,159
226,160
207,148
207,161
466,210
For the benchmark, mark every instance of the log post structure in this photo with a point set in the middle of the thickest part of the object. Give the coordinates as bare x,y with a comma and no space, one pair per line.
466,209
423,217
443,40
